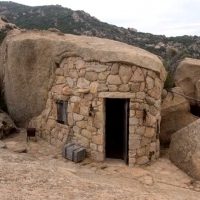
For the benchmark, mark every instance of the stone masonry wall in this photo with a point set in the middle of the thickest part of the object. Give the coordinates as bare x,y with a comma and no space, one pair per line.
82,84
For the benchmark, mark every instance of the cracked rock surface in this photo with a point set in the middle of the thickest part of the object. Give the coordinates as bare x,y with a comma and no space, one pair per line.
42,173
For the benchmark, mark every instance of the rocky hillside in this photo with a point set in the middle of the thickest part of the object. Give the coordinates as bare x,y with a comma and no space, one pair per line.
81,23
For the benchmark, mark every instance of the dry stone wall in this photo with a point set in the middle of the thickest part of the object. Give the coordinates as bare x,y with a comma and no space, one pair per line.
83,84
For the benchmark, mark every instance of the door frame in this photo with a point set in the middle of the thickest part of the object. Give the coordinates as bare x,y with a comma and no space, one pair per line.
126,128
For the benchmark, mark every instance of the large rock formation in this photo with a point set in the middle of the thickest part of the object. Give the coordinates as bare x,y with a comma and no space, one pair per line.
187,76
175,114
28,62
6,125
184,149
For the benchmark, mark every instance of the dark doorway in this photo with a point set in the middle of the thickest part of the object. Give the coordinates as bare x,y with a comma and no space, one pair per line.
117,128
195,110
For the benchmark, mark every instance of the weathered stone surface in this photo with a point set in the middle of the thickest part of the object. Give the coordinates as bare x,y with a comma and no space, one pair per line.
76,108
93,146
115,69
80,64
91,76
96,67
138,76
59,71
116,95
84,110
114,80
70,82
141,151
77,117
184,149
150,83
133,121
60,80
16,146
140,130
150,100
97,155
7,126
112,88
134,143
140,95
149,132
125,73
73,73
142,160
81,140
103,75
83,83
93,87
97,139
55,132
2,144
86,133
102,88
153,110
175,115
135,87
91,128
66,91
123,88
70,119
98,119
186,76
197,91
83,90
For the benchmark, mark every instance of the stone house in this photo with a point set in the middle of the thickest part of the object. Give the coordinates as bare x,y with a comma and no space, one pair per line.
104,95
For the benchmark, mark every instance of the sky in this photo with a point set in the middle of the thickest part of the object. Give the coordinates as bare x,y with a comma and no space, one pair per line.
159,17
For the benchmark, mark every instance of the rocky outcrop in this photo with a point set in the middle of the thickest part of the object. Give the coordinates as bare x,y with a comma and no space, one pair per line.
187,76
29,60
6,125
2,144
184,149
175,114
16,146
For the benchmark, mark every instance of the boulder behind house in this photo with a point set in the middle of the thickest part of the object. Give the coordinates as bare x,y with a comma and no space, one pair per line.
184,150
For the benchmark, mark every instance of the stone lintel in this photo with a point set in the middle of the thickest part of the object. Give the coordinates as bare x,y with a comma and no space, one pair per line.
120,95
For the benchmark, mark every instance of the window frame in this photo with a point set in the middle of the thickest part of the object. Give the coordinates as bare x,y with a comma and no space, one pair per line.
62,111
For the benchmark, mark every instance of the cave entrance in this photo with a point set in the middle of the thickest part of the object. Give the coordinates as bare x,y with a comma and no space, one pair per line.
117,111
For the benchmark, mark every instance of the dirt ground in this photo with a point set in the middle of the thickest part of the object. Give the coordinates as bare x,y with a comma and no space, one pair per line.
42,173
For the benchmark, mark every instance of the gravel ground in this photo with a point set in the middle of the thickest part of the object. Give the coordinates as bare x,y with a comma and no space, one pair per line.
42,173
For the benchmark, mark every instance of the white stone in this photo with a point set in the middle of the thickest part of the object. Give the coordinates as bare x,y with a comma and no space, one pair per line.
97,68
82,83
133,121
93,87
114,80
70,82
77,117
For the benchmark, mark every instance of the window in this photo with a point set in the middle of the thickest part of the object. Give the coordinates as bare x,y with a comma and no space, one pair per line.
61,111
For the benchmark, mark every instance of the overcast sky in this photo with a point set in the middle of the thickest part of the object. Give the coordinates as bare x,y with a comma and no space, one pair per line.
161,17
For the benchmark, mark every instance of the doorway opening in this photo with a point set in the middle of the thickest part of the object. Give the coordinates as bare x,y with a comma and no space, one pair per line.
116,128
195,110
